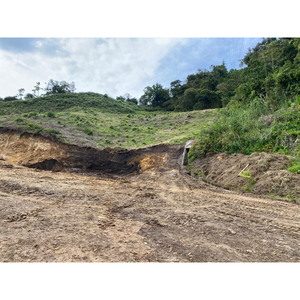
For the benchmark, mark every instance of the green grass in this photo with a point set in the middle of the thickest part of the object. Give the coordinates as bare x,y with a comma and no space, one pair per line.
295,166
252,128
93,119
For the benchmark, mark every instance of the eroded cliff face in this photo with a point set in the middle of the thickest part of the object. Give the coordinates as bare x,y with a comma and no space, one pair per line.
43,153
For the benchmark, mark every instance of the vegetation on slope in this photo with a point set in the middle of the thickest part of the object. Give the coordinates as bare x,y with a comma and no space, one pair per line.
90,119
259,109
264,112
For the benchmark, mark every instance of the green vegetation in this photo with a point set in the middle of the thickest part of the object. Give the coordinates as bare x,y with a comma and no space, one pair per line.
295,165
246,174
263,114
97,120
61,102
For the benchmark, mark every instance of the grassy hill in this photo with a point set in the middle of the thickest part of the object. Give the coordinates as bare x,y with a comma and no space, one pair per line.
89,119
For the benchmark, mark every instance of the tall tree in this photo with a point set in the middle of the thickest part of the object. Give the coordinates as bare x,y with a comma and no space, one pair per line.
21,93
155,96
37,88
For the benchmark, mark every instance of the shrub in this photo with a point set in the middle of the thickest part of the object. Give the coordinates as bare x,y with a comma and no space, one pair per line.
53,132
88,131
32,114
50,114
295,166
19,119
10,98
246,174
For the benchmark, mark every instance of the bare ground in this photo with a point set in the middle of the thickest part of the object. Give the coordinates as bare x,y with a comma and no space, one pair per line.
151,211
159,215
268,174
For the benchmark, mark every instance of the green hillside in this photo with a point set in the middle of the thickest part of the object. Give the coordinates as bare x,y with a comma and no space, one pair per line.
89,119
65,101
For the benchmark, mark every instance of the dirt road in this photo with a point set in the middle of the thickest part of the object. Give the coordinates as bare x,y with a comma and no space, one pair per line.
158,215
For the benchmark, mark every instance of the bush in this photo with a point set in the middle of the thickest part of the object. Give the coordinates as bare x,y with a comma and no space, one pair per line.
53,132
50,114
10,98
33,114
19,120
88,131
295,165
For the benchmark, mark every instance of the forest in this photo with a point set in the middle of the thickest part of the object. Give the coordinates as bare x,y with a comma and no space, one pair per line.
269,72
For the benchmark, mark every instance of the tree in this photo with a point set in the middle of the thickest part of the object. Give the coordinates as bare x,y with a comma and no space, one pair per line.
10,98
188,100
37,88
59,87
127,97
208,99
155,96
21,93
175,88
29,96
121,98
133,100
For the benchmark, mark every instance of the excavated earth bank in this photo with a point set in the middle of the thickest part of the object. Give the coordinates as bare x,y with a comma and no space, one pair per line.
42,153
150,212
268,175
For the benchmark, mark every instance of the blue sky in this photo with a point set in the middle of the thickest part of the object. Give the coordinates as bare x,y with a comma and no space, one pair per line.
112,65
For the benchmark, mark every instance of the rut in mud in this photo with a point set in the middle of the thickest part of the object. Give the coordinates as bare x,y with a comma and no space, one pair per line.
156,213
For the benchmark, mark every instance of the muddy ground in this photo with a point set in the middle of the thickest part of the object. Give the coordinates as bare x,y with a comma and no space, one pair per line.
130,206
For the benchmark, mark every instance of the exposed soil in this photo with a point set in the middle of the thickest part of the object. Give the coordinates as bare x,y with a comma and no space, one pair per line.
46,154
155,213
268,175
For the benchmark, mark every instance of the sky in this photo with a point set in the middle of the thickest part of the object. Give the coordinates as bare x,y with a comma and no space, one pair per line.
114,66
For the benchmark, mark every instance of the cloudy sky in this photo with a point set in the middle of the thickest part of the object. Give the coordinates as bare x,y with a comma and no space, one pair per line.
112,65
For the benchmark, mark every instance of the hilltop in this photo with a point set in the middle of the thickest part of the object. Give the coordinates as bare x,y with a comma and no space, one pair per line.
95,120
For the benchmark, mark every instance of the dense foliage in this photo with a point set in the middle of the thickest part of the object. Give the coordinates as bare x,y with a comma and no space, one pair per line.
263,110
59,87
199,92
271,71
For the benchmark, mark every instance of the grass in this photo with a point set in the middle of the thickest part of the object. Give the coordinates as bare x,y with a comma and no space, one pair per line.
252,128
295,166
92,119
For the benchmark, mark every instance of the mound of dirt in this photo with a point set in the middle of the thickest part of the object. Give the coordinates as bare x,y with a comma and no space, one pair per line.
267,173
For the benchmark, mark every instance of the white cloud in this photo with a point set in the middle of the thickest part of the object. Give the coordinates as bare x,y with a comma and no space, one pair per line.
114,66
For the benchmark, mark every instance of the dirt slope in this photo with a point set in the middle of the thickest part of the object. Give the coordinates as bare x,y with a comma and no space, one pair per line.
268,175
46,154
152,212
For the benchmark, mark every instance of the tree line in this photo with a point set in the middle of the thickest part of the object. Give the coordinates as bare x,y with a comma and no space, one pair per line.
51,87
270,72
